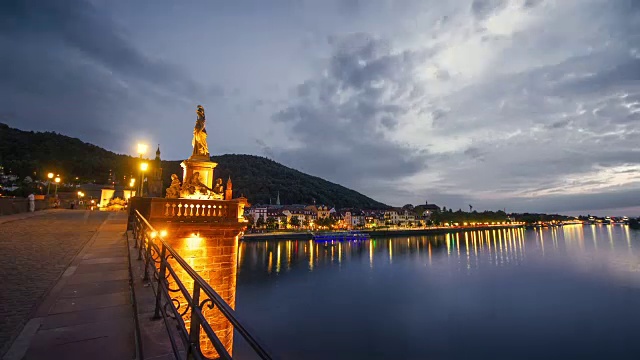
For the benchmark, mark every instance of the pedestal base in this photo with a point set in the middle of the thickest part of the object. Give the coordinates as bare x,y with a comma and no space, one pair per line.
201,165
211,250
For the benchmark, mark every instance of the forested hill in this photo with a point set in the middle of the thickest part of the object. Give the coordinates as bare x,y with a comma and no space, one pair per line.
260,179
28,153
34,154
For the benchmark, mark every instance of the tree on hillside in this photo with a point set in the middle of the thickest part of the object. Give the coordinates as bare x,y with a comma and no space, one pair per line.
295,222
250,220
271,222
260,222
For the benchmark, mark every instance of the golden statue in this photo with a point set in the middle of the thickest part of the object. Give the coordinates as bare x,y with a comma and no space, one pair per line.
173,191
199,141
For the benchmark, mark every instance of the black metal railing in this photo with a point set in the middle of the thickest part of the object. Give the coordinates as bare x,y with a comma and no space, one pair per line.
155,253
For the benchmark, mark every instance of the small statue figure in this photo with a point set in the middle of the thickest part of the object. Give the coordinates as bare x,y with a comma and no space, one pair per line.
199,141
186,188
193,186
218,188
173,191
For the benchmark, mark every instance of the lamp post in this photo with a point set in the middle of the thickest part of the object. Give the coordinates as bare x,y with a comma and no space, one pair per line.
144,166
142,149
57,180
50,176
132,183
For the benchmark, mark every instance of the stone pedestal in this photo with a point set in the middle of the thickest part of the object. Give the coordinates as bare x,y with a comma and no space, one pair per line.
212,251
200,164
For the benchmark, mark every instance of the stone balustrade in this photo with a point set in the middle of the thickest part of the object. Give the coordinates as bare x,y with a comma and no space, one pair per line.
196,210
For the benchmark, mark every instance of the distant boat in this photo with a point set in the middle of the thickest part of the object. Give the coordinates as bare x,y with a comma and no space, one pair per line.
340,236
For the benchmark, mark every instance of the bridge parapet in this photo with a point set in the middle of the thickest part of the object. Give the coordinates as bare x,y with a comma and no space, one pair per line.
192,269
197,210
165,210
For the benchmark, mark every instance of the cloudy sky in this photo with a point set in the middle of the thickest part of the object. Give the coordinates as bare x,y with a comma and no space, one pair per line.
517,104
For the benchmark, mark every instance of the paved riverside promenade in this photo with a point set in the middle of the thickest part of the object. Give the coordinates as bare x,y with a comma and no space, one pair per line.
65,287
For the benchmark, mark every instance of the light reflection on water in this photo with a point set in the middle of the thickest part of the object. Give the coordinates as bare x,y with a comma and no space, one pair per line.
477,248
552,293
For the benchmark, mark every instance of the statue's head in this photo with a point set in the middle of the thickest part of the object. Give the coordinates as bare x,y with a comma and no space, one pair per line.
196,175
200,109
218,181
174,177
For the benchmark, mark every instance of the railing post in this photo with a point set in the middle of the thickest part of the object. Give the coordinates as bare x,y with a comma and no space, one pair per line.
147,257
194,331
161,279
141,236
135,233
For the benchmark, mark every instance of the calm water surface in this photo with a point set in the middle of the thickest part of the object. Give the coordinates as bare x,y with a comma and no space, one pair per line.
568,292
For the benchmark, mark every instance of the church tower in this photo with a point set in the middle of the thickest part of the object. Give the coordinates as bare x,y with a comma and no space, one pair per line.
228,192
278,199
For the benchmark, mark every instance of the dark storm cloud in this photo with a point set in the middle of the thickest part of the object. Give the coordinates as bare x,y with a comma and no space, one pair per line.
71,69
78,25
339,119
510,103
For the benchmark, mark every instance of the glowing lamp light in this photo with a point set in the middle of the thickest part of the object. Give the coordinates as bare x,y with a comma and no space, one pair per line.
163,233
153,234
57,179
142,149
144,166
50,175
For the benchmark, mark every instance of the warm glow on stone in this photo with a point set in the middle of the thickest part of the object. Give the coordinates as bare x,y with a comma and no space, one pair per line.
197,196
212,251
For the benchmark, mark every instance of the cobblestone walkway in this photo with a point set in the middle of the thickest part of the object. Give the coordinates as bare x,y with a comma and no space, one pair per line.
34,252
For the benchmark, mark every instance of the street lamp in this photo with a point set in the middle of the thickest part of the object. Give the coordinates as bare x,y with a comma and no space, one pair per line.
50,176
142,149
57,180
144,166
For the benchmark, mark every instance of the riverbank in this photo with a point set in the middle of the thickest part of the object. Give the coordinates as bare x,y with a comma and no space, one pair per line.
307,235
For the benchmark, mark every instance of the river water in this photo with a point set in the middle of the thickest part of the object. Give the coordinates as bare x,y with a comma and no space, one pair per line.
555,293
